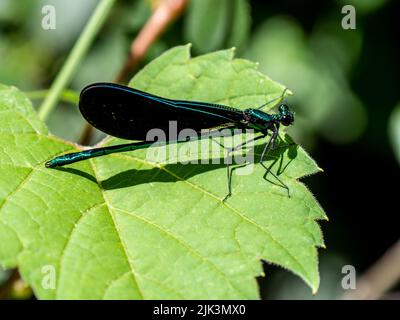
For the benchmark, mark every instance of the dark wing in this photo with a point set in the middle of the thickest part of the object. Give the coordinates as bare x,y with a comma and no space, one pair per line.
128,113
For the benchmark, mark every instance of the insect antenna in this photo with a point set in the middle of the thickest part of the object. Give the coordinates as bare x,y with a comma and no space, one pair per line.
268,102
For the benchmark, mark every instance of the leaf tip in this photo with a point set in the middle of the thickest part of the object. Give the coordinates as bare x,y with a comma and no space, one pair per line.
314,291
231,53
313,284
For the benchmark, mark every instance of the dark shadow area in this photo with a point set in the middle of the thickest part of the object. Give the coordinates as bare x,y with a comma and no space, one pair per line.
135,177
78,172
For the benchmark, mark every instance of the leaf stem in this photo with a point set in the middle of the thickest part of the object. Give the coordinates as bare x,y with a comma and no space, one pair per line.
75,56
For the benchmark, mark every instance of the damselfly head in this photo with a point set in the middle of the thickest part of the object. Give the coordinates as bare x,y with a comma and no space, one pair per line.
286,116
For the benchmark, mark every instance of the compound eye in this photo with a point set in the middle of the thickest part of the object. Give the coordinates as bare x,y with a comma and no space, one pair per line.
283,108
287,120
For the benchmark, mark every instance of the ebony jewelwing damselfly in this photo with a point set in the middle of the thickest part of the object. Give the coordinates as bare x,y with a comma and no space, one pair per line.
128,113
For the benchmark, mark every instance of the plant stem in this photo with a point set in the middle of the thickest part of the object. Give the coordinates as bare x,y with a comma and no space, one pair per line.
75,56
66,95
166,12
379,278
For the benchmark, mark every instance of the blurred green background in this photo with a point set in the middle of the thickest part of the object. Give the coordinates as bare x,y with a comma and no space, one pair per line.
346,85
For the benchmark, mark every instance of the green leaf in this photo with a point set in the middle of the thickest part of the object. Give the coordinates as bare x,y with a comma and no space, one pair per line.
227,24
122,226
240,24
